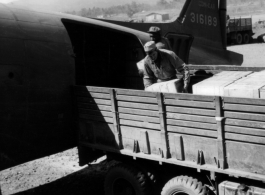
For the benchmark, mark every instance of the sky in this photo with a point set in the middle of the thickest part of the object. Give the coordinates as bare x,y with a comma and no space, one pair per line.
6,1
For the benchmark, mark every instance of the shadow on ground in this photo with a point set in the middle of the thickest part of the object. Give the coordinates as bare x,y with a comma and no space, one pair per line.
89,180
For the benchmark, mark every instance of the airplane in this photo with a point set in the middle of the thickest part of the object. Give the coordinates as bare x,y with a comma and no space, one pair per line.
44,54
41,56
205,22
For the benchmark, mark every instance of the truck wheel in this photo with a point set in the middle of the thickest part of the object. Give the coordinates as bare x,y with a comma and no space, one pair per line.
246,38
183,185
239,38
125,180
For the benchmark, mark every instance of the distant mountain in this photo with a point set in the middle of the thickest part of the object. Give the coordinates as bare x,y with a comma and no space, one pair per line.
73,5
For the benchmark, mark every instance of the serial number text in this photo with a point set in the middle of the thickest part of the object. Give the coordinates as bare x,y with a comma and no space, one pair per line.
203,19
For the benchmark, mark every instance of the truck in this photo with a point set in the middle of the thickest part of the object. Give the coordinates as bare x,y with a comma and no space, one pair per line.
239,30
174,143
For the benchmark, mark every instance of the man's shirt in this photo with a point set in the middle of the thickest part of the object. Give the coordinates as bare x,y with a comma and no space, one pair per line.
164,68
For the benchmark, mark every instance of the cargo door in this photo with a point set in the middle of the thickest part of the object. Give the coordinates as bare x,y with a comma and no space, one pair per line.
180,44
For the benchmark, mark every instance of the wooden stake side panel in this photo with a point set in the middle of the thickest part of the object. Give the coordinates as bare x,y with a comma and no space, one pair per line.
246,157
149,141
98,133
186,147
228,133
93,104
245,133
95,116
191,114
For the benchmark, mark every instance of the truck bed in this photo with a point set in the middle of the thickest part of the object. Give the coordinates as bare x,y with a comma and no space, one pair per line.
219,134
240,24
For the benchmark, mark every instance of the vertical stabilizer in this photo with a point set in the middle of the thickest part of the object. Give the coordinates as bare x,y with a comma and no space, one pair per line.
201,18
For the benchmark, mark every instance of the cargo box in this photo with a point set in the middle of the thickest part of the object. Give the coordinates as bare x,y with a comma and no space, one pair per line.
216,84
251,86
172,86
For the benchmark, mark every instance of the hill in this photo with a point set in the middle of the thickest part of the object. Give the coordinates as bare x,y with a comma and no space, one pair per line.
71,5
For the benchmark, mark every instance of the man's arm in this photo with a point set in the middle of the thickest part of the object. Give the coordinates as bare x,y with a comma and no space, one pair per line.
149,77
182,68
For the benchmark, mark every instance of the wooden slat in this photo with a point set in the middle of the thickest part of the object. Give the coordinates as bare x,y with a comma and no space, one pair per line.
245,123
191,117
189,97
96,118
93,95
245,138
136,99
246,131
139,118
192,124
139,112
135,93
138,105
93,101
225,68
201,112
91,89
93,107
244,108
192,131
140,124
246,116
98,89
244,101
95,112
190,103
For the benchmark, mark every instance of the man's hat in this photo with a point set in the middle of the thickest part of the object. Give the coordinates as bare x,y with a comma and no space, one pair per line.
149,46
154,29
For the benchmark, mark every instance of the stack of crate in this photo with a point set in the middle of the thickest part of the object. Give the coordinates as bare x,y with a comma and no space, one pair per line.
245,84
216,85
252,86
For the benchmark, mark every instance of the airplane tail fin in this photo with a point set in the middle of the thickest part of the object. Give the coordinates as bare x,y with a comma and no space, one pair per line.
205,20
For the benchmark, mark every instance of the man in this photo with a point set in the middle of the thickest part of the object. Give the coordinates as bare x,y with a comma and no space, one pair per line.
161,42
162,65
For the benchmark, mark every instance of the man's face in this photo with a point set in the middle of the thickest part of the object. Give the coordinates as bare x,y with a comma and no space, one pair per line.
152,54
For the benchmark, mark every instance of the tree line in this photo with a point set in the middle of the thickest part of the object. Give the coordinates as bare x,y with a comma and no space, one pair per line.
133,8
129,9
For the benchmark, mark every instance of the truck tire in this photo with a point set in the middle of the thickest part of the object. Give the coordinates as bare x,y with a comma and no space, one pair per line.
182,185
239,38
125,180
246,38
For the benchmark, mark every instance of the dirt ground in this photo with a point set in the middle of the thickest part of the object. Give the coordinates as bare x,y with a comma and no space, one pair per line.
55,174
253,54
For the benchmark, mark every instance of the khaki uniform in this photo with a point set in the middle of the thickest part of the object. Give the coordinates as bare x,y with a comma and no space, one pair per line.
164,68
